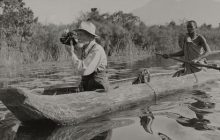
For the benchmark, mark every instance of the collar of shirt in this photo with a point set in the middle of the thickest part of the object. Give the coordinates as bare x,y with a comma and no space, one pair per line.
89,46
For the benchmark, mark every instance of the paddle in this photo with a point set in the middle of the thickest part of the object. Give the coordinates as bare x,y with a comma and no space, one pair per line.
195,64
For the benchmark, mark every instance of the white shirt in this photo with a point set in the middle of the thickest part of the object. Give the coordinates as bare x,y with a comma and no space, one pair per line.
95,59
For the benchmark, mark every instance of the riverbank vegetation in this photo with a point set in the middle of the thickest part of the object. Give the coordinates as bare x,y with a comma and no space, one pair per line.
24,40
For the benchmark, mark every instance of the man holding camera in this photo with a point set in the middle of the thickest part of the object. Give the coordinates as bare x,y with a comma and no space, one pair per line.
93,61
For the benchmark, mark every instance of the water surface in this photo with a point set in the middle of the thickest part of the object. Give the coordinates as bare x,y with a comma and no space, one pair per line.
188,115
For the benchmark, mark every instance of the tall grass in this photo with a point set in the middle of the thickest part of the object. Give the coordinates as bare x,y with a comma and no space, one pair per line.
120,37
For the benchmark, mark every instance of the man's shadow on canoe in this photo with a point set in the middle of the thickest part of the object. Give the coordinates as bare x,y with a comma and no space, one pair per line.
94,130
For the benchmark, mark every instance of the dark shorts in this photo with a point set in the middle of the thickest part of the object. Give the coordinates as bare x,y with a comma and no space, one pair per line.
94,81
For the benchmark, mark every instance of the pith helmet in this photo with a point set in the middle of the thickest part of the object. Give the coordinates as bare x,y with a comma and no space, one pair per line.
88,27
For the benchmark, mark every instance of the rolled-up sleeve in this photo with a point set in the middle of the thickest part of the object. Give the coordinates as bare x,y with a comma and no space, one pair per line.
90,63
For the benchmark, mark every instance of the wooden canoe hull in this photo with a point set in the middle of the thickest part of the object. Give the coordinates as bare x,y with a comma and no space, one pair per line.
70,109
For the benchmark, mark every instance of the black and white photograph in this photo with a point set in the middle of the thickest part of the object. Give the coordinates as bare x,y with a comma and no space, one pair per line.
109,69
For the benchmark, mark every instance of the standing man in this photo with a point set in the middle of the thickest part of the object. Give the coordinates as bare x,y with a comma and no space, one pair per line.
93,62
194,48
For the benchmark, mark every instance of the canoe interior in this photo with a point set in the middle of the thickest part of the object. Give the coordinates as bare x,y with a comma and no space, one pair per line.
74,88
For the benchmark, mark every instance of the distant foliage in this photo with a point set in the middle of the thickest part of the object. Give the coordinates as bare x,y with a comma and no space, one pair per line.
44,44
213,37
117,31
121,34
16,22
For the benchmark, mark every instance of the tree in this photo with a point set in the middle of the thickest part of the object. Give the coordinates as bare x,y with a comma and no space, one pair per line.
16,22
206,26
172,24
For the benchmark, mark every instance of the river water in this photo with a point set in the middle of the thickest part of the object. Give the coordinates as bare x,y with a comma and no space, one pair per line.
186,116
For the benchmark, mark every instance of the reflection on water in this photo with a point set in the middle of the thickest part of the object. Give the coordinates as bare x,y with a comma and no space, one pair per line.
201,106
191,115
146,123
8,127
198,122
100,130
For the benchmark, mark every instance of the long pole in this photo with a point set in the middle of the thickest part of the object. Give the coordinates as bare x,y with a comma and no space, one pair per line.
192,63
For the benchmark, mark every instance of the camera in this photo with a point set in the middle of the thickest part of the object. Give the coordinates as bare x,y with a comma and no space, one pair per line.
67,37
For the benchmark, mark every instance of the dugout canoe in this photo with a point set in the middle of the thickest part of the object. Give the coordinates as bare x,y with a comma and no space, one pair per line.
71,109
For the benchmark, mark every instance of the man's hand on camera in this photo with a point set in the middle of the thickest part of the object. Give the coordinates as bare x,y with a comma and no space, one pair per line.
70,49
